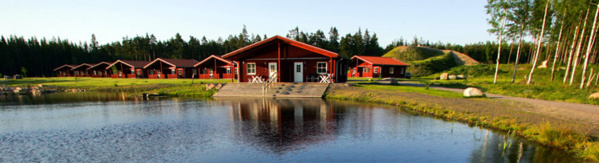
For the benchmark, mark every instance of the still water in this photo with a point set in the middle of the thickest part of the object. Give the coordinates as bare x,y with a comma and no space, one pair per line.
113,128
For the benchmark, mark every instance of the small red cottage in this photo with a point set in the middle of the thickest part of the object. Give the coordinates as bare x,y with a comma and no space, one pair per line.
170,68
64,70
215,67
81,70
384,67
286,60
127,69
99,70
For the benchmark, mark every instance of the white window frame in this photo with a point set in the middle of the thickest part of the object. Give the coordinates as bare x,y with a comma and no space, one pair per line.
247,66
402,71
228,71
376,70
391,70
326,68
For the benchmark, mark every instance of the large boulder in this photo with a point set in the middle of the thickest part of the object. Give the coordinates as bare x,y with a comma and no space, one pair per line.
473,92
543,64
594,96
444,76
452,77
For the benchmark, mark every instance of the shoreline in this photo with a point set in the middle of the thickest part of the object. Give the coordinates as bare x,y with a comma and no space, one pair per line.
505,115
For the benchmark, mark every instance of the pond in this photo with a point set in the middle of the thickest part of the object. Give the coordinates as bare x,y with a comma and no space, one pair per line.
114,128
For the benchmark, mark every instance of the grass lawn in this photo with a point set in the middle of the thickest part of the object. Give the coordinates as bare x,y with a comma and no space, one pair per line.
481,76
171,87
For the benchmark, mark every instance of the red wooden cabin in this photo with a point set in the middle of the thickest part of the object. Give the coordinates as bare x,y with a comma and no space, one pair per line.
81,70
170,68
64,70
288,60
99,70
127,69
215,67
370,66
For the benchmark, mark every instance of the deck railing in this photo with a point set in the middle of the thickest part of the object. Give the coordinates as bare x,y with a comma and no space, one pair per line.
266,85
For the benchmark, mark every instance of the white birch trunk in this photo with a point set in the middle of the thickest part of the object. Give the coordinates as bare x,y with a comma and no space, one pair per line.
518,54
589,47
534,65
574,42
577,55
559,38
499,47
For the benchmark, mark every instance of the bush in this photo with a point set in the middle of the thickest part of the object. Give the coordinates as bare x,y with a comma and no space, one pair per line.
432,65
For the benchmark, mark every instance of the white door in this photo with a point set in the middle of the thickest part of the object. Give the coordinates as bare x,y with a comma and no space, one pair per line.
298,69
272,69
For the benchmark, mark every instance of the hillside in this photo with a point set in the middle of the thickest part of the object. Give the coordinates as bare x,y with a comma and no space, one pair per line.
425,60
409,53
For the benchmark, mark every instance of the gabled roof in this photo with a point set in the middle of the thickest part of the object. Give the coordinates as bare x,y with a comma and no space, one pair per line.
65,65
81,65
210,57
174,62
98,64
134,64
298,44
380,60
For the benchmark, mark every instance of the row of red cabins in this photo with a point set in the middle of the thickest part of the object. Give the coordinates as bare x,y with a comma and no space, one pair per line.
280,58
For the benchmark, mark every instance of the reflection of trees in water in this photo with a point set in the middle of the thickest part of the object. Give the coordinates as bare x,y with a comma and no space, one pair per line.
283,125
490,148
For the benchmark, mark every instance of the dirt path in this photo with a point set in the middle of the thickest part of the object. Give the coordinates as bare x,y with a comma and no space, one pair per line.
584,114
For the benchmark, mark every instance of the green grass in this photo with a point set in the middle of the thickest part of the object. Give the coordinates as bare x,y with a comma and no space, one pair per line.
481,76
400,88
170,87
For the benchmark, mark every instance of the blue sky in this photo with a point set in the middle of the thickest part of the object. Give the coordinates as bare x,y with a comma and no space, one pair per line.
453,21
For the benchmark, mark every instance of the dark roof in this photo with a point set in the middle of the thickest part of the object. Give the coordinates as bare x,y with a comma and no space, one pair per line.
98,64
381,60
82,66
134,64
285,40
215,57
65,65
174,62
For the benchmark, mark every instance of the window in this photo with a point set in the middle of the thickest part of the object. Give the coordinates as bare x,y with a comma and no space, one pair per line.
391,70
298,68
366,70
172,71
180,71
138,72
210,71
228,71
235,70
321,67
376,70
354,71
251,68
402,70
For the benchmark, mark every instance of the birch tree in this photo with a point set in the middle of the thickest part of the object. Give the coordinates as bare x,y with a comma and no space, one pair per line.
532,70
498,11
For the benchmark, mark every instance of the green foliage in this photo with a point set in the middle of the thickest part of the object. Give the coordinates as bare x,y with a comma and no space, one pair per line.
432,65
474,70
413,53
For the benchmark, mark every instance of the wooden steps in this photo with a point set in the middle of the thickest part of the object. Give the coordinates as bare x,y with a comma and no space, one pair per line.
277,90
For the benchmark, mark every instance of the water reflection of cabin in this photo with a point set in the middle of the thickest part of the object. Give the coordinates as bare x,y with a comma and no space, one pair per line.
215,67
284,125
288,61
81,70
64,70
371,66
127,69
99,70
170,68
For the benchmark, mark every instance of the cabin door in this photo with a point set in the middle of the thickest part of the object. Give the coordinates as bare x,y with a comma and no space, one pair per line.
298,73
272,69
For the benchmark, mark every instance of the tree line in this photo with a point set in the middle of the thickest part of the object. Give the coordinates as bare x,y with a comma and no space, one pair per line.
563,33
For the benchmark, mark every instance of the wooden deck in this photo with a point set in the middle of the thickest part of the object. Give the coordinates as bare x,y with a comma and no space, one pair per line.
277,90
